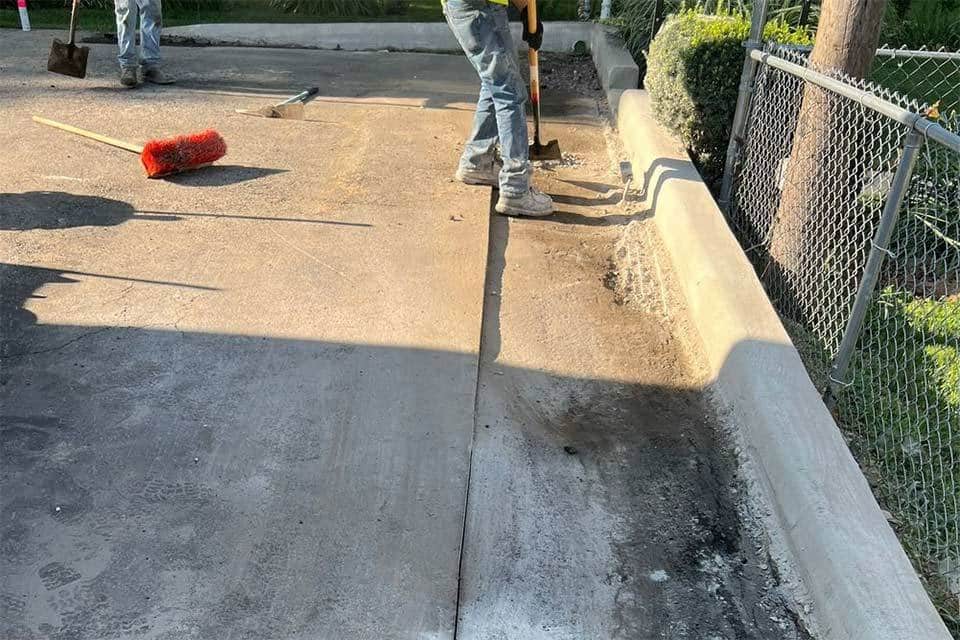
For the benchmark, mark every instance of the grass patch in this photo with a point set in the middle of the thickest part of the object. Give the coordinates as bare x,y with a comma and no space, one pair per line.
903,415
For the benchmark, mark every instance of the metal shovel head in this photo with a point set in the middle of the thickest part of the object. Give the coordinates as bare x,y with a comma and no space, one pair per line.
549,151
68,59
294,111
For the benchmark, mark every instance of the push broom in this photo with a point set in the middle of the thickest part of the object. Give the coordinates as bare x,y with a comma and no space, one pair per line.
161,157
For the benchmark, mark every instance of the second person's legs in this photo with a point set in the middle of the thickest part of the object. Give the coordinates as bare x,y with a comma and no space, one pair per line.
126,11
151,22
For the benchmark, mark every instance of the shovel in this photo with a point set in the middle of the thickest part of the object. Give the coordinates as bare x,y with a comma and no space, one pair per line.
290,109
538,151
67,58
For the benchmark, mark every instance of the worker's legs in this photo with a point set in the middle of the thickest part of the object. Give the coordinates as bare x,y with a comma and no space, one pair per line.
126,11
483,31
480,150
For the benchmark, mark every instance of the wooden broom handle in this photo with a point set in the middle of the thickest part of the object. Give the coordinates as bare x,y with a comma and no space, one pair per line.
89,134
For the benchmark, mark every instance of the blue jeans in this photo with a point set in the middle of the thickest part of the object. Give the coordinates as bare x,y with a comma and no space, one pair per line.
483,31
150,21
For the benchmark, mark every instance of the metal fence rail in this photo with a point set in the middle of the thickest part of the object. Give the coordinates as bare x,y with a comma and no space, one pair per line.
866,272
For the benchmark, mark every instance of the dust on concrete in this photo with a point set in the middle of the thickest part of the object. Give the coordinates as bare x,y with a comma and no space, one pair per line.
745,553
606,499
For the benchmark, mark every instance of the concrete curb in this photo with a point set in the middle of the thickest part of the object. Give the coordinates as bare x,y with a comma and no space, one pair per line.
358,36
861,581
617,70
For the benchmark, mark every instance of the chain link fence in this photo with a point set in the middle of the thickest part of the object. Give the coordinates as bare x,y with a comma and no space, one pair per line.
846,197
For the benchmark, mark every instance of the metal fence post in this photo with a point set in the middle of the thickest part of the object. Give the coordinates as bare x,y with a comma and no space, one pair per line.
738,130
871,272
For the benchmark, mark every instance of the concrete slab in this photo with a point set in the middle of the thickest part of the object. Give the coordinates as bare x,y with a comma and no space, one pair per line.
601,503
237,403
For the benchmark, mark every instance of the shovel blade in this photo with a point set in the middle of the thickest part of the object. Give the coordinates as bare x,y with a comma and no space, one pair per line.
68,59
549,151
294,111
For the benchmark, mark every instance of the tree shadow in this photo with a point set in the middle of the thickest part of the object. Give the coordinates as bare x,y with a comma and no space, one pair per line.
176,215
162,480
59,210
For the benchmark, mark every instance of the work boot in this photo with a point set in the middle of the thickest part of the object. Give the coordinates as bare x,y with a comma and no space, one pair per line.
533,203
488,177
128,76
156,75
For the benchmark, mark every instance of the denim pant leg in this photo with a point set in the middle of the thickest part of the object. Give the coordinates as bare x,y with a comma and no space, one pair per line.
483,31
478,152
150,23
126,11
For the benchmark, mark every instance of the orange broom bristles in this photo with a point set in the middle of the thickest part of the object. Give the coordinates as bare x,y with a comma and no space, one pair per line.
173,155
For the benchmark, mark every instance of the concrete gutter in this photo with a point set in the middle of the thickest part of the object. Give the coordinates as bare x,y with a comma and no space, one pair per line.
861,581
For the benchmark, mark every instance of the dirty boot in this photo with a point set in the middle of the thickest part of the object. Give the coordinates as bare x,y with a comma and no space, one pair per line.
128,76
156,75
488,176
533,203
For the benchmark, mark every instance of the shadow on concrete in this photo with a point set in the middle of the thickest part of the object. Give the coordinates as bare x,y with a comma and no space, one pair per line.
661,170
158,482
613,219
221,175
176,215
596,187
161,480
579,201
59,210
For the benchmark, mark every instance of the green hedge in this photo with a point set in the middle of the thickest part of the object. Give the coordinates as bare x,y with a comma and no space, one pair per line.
693,75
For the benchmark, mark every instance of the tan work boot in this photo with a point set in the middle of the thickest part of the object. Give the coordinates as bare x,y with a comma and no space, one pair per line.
487,177
533,204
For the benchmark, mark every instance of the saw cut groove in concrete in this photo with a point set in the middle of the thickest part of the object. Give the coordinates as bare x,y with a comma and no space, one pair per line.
237,404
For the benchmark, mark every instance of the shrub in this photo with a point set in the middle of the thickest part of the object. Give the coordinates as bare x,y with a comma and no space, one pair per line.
693,75
923,23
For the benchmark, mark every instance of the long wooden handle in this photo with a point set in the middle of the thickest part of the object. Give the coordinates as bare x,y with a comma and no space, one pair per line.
534,58
128,146
73,22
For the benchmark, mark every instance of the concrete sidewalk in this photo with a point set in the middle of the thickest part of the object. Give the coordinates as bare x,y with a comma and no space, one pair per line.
253,401
238,403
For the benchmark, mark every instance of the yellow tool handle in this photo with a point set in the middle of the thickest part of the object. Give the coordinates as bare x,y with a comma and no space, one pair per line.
89,134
